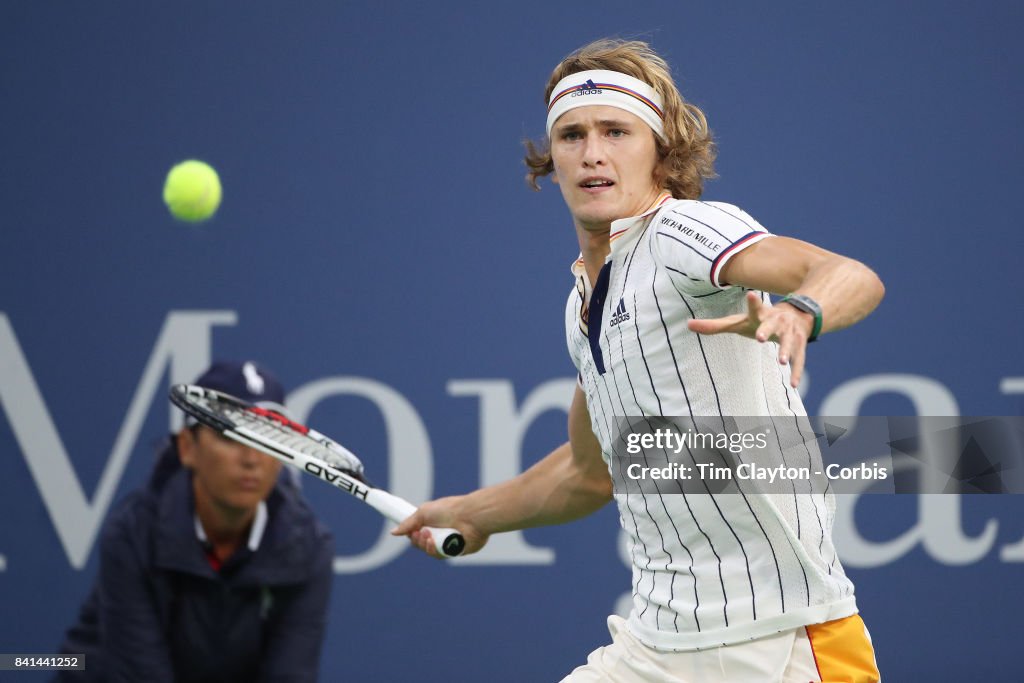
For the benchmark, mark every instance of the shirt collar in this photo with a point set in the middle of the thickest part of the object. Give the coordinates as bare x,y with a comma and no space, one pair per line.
259,525
623,232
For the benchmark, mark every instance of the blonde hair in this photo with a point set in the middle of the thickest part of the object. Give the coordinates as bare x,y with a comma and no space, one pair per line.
688,156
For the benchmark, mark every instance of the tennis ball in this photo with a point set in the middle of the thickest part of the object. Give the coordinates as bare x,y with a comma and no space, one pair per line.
192,191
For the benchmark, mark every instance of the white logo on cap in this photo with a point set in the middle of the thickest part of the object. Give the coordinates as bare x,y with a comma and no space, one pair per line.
253,380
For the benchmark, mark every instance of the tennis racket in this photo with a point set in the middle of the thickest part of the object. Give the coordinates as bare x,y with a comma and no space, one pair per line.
272,433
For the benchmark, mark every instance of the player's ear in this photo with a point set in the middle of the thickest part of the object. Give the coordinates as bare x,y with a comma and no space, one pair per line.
186,442
554,177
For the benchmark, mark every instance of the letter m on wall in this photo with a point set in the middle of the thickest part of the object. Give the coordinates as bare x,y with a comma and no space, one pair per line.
182,349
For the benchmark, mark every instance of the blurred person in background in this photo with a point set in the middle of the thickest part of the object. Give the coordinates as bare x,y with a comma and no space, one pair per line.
216,570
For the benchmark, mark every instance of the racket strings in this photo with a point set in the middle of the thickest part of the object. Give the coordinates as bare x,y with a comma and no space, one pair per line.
278,433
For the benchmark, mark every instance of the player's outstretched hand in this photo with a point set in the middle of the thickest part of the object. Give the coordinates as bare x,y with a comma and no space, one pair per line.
783,324
442,513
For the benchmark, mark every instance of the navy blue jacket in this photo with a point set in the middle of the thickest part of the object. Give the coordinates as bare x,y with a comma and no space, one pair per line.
159,612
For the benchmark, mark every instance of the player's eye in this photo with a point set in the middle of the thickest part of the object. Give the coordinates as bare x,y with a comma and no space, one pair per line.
618,132
572,135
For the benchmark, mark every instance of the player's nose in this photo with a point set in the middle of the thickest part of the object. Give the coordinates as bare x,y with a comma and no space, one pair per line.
593,151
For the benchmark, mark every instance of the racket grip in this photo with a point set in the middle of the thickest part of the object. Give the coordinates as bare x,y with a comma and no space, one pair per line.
449,542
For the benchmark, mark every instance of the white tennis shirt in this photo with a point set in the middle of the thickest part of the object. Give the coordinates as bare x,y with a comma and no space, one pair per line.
708,569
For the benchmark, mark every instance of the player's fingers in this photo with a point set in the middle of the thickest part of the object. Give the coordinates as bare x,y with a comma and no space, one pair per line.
705,326
730,323
754,305
409,525
796,366
416,538
766,330
426,543
792,350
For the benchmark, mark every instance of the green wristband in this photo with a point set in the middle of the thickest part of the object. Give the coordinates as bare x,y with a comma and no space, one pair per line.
807,305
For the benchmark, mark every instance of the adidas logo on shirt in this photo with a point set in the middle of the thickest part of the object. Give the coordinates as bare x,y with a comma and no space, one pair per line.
620,315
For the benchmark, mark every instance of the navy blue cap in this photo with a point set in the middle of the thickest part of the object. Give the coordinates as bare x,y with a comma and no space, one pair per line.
247,380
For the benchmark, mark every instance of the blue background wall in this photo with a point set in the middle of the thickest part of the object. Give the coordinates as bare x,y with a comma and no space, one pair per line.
370,156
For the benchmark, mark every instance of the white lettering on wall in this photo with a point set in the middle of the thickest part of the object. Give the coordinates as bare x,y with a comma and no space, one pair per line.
182,349
410,462
939,527
502,428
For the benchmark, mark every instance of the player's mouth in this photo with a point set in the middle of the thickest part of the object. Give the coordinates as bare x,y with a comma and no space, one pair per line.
596,184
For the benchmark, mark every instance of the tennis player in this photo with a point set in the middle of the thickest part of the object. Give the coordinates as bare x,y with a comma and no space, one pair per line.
670,316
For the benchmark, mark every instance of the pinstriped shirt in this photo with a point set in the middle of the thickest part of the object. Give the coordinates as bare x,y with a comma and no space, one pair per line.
708,569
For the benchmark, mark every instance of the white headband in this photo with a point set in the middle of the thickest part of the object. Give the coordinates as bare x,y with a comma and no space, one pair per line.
609,88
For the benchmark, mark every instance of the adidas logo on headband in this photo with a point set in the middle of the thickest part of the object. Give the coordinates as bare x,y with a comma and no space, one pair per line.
587,88
609,88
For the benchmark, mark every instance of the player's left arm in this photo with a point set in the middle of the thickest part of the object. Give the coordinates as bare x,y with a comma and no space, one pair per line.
845,289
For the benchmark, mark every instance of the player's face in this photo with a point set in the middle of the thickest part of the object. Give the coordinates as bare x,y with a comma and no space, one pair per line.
225,473
604,161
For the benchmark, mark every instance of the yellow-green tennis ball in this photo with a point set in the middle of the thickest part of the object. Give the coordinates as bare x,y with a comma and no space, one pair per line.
192,191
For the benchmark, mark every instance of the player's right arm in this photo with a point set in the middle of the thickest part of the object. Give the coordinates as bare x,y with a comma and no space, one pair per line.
570,482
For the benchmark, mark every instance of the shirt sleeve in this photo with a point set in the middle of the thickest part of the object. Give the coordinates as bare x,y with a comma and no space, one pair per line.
694,240
294,641
572,325
134,647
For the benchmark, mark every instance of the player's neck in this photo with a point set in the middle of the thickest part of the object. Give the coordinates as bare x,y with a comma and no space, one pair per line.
595,247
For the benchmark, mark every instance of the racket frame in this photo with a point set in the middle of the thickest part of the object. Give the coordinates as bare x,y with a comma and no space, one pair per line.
449,542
